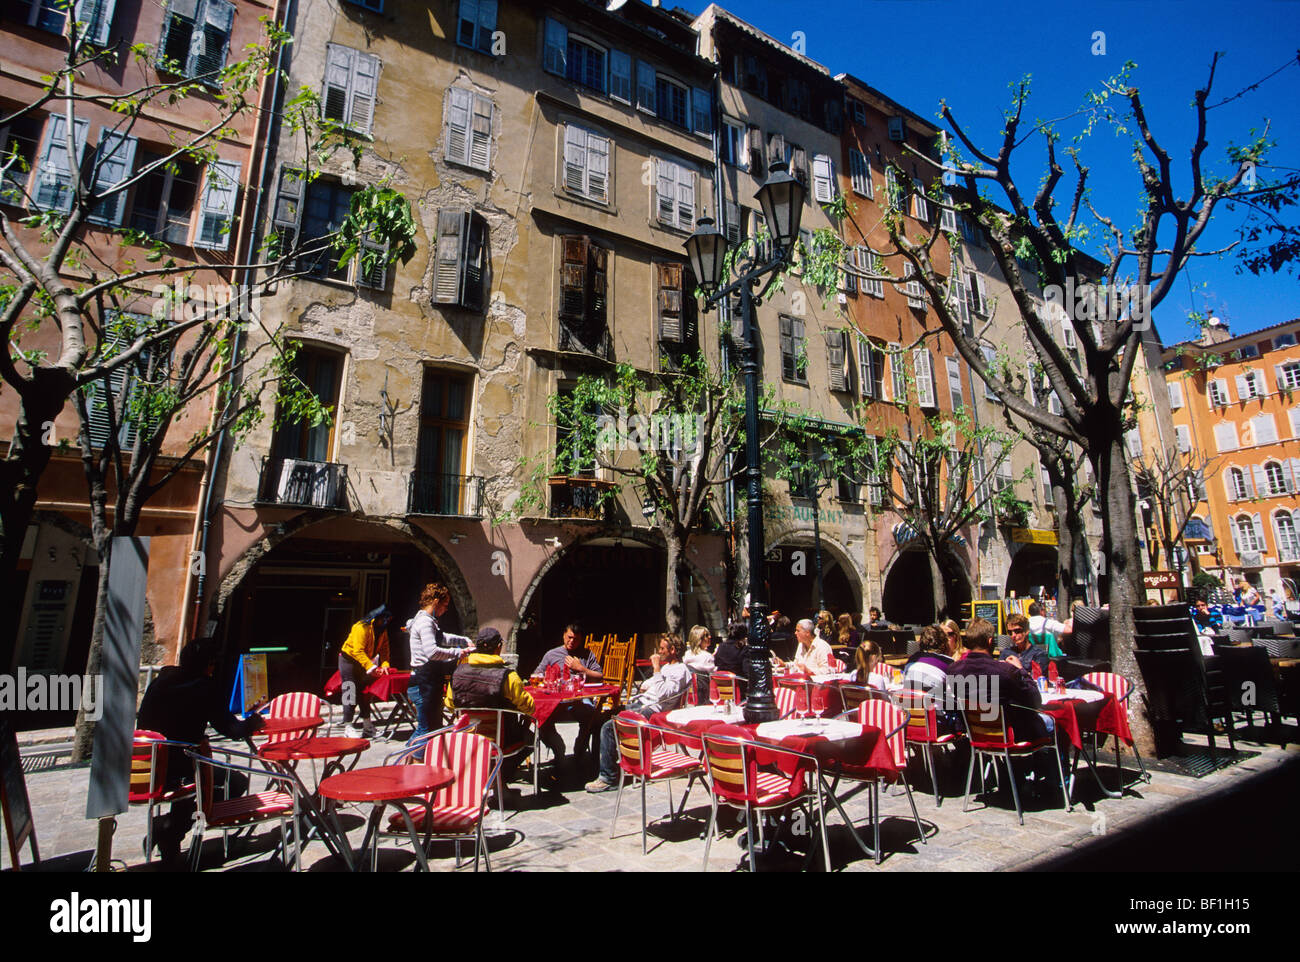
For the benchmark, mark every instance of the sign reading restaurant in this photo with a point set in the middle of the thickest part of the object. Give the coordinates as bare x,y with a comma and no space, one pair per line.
1033,536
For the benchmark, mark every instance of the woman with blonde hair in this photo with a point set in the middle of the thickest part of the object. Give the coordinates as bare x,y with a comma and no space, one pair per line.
825,629
869,662
698,654
846,635
951,632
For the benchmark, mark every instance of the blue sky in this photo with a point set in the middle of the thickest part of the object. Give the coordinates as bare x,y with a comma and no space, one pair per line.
922,51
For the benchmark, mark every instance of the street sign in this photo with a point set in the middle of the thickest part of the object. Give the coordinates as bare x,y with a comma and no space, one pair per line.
1033,536
1160,579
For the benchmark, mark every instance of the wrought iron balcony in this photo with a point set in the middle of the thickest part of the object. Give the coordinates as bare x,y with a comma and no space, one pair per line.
310,484
580,497
445,494
586,340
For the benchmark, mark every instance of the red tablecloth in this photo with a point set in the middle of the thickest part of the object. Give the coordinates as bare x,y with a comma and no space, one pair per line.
383,688
1107,718
310,747
545,702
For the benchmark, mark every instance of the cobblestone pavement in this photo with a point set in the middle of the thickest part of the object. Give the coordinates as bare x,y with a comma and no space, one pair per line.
565,829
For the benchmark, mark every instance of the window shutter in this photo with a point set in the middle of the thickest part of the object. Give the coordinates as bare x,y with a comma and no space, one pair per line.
1259,477
1258,524
670,303
365,85
620,76
866,380
455,113
487,23
288,207
645,86
598,277
786,331
54,177
754,147
775,151
97,16
1133,440
823,179
480,140
1175,395
339,62
685,198
1243,386
735,226
799,164
114,162
1247,484
702,110
447,269
835,351
1183,437
556,50
1228,487
598,168
1294,415
376,276
920,207
983,294
947,216
217,207
573,277
1293,473
924,378
1265,429
667,191
474,276
1236,539
210,39
575,159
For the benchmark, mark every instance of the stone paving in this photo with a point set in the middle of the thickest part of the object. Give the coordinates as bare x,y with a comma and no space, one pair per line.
566,829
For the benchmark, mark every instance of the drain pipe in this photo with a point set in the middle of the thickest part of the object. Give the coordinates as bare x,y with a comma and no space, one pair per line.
265,123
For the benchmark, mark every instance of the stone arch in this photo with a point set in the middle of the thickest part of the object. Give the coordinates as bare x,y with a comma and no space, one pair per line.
277,533
800,535
961,567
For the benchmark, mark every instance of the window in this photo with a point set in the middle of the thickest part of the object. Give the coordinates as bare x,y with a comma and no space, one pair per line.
1244,535
1288,376
860,173
584,297
990,359
1288,545
195,37
18,139
794,356
96,16
675,195
1238,485
839,377
857,111
947,216
308,215
1175,395
869,262
438,486
1245,352
585,64
1049,497
924,378
460,270
675,306
1218,391
733,143
586,163
920,207
977,301
164,198
467,123
114,163
970,231
1283,340
894,190
898,373
1263,429
823,172
645,86
476,23
1133,441
915,295
351,79
217,205
957,298
53,188
1183,438
672,102
871,369
954,382
106,404
620,76
319,371
1250,385
1277,483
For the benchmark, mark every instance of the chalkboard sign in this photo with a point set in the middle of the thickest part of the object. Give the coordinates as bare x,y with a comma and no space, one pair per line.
15,808
990,611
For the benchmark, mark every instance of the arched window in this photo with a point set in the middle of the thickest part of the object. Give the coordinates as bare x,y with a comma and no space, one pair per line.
1237,483
1246,540
1276,480
1288,544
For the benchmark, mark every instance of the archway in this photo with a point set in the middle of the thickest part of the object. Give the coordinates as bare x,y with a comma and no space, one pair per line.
908,595
302,587
792,580
1032,567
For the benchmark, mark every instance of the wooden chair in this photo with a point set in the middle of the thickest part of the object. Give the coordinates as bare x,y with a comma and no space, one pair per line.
597,649
992,737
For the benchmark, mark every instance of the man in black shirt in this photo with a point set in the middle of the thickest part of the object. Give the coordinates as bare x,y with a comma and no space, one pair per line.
180,704
730,655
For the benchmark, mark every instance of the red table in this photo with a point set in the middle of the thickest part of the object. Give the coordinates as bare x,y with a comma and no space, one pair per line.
390,687
311,748
278,726
545,702
384,784
1075,716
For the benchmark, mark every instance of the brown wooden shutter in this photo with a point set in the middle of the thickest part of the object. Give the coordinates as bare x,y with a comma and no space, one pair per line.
573,277
598,273
754,144
669,302
776,151
835,361
447,270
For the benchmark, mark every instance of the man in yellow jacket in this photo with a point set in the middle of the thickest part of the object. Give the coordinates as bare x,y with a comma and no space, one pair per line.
363,658
483,681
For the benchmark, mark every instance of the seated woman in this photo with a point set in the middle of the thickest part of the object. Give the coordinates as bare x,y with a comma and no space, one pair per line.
698,654
927,669
847,635
869,666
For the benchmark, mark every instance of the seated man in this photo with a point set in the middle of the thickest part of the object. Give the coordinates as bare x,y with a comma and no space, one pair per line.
730,655
484,681
1207,622
1004,682
180,704
813,655
1022,652
876,621
662,690
572,654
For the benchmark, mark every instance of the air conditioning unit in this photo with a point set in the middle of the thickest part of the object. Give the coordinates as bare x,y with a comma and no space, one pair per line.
897,129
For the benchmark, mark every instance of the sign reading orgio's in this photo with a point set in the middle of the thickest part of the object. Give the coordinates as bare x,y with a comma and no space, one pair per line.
1160,579
1033,536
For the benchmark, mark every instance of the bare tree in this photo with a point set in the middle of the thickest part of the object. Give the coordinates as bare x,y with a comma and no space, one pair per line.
1173,483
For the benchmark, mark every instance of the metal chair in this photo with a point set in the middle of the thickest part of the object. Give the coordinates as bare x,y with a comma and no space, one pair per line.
296,704
1119,687
923,730
237,813
639,759
992,737
491,724
150,752
725,686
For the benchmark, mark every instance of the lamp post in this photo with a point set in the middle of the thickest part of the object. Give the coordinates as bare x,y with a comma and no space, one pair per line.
815,478
782,199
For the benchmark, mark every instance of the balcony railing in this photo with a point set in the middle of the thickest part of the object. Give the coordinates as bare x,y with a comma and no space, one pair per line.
580,497
311,484
596,342
445,494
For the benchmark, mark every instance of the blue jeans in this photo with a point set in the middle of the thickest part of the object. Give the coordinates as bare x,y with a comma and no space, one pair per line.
425,692
609,747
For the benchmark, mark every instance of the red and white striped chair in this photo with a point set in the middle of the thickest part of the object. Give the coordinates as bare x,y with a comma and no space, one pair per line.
788,701
456,811
837,665
883,714
725,686
1119,687
238,813
637,740
736,781
992,736
296,704
923,730
150,752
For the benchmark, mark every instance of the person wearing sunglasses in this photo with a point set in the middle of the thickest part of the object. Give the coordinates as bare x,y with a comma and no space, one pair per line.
1021,651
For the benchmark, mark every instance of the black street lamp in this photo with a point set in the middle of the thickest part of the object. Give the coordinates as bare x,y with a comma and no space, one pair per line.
782,199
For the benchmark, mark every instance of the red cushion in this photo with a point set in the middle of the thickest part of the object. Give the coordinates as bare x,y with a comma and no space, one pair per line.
250,808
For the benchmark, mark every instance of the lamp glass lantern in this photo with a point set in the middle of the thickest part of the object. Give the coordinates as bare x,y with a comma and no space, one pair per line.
707,249
781,198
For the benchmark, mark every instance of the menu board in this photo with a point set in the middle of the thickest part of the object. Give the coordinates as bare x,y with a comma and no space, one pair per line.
15,808
989,610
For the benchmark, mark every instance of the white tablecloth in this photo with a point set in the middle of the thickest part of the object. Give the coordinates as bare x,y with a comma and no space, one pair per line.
833,730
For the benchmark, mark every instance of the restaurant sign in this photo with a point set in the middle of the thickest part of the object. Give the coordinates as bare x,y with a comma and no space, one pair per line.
1160,579
1033,536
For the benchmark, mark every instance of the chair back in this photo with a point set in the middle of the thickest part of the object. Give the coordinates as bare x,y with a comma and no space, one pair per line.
1176,689
986,726
699,690
148,766
892,722
472,757
836,664
1091,637
787,701
1111,683
731,767
296,704
630,731
618,662
853,696
597,649
922,717
1248,680
724,686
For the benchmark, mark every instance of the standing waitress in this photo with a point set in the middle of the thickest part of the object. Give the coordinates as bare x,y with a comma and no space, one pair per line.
363,658
432,660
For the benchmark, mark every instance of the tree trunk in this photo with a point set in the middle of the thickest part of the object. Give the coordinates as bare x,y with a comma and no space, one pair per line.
939,584
1123,565
673,541
1064,558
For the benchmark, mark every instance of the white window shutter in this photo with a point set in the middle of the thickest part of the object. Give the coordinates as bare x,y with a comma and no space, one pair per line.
455,114
1294,415
1258,524
645,86
555,53
866,379
217,206
575,159
983,294
620,76
1260,478
339,61
1175,395
823,179
685,198
924,378
114,161
948,217
1228,487
97,16
1225,436
1183,437
920,207
667,191
1243,389
54,176
1293,472
480,138
365,86
598,167
1265,429
1133,439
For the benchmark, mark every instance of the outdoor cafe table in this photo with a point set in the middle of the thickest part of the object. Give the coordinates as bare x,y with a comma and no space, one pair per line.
1077,710
383,688
309,747
384,784
278,726
545,702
